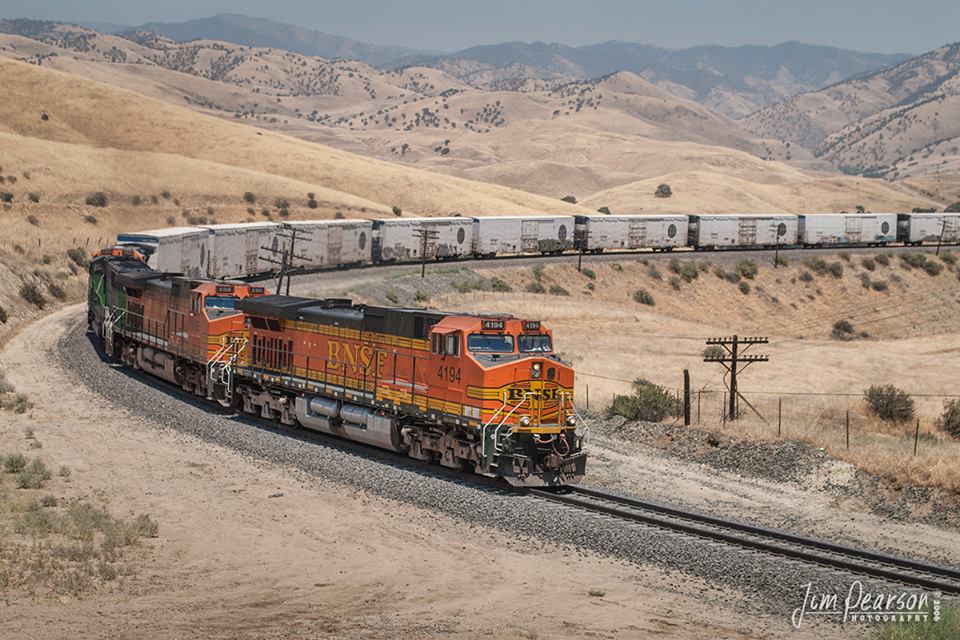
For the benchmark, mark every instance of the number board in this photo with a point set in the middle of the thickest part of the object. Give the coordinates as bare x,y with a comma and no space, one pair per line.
531,325
255,291
493,324
222,288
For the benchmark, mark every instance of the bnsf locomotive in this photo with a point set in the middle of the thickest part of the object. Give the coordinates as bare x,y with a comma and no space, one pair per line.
481,392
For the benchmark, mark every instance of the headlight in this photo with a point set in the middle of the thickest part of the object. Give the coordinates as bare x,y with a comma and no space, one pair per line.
525,421
571,421
536,370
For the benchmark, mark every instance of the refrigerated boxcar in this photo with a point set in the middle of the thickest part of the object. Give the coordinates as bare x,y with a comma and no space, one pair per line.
522,234
917,228
174,250
745,230
238,249
403,238
598,233
848,229
331,243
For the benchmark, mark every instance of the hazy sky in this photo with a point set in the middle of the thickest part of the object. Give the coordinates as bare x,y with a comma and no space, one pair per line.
869,25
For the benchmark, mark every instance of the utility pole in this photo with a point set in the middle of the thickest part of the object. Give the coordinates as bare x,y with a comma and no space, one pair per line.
943,229
735,360
425,234
287,253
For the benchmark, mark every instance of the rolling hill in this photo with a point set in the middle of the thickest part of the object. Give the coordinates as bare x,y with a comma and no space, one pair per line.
900,122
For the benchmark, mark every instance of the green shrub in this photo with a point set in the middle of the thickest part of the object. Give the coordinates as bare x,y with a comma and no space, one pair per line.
714,351
781,261
498,284
889,403
249,198
3,315
14,462
744,288
649,402
688,271
145,527
675,282
869,264
653,272
949,420
919,261
33,197
949,257
843,330
136,201
98,199
806,276
557,290
89,218
34,476
538,272
6,196
643,296
746,269
729,276
589,273
32,294
78,257
882,259
844,255
397,211
879,285
822,267
569,199
57,291
48,501
536,287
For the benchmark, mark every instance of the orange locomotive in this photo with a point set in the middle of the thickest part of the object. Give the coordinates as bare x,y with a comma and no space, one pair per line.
485,392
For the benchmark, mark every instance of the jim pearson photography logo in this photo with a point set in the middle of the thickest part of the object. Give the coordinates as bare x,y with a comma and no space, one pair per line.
861,605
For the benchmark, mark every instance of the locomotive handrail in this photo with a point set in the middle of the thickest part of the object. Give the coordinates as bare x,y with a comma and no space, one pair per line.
483,430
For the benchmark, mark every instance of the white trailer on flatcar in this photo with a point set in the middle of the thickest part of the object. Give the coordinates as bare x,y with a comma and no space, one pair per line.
172,250
917,228
403,238
597,233
848,229
494,235
742,230
330,243
239,249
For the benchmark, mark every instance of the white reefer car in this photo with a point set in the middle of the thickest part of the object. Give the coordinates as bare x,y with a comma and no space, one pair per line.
330,243
242,249
518,234
917,228
848,228
743,230
406,238
174,250
597,233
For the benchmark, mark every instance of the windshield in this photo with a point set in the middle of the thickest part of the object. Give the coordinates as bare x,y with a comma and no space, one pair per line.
490,343
218,306
535,343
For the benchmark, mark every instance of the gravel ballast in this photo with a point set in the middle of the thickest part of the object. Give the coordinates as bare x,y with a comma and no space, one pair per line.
774,584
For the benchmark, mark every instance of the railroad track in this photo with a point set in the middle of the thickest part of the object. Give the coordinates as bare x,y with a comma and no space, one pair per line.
811,550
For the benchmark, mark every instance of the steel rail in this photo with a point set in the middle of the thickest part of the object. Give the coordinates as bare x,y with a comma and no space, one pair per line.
860,561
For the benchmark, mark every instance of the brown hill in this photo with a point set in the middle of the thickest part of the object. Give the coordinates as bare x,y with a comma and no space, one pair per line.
898,122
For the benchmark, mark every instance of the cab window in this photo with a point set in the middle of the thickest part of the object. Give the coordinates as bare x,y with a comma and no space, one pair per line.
219,306
490,343
535,343
446,344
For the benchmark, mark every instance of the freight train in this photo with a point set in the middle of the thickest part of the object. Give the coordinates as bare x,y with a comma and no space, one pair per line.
244,250
483,392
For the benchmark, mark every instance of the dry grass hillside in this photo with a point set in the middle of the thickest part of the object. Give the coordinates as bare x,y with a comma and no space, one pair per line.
554,138
899,122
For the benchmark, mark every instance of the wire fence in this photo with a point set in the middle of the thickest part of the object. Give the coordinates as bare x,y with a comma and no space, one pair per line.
840,422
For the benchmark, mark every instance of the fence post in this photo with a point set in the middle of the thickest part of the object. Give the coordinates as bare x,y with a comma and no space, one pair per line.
779,416
686,397
848,428
699,391
916,438
588,397
723,409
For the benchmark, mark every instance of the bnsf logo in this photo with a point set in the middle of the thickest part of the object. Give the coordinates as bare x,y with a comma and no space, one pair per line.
546,394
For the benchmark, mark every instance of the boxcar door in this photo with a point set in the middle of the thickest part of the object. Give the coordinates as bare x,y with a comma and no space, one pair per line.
853,229
334,244
529,236
748,231
637,234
